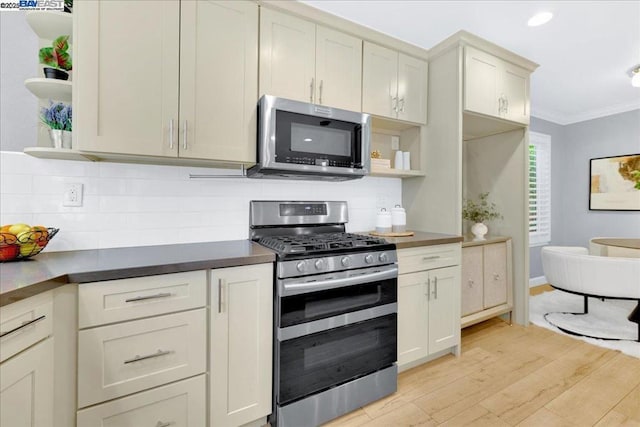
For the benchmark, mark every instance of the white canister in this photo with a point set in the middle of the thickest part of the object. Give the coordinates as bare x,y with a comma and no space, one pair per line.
406,160
398,219
398,164
383,221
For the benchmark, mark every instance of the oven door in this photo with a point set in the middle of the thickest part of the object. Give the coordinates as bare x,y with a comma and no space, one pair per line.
311,298
311,363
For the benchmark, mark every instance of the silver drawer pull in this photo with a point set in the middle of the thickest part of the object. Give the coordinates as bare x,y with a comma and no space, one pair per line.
161,424
429,258
24,325
146,297
148,356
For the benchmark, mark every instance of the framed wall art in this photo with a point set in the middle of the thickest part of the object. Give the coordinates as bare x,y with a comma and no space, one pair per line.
615,183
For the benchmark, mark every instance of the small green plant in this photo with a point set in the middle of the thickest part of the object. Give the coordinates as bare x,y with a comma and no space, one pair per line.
57,56
481,211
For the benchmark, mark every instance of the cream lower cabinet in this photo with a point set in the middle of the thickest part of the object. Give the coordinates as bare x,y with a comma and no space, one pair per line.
495,87
428,303
486,286
27,368
184,85
26,387
309,63
241,344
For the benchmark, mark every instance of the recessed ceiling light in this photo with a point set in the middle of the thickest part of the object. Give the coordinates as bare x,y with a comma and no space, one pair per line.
539,19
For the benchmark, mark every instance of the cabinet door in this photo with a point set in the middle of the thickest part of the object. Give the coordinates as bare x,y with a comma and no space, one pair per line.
379,80
218,80
444,308
126,82
515,86
241,344
481,82
287,56
471,284
26,387
413,312
412,89
495,274
338,69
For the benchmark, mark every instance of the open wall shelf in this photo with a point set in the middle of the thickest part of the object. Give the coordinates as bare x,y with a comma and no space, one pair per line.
49,24
59,90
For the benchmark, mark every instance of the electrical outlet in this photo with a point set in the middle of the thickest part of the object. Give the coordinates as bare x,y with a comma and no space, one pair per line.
72,195
395,142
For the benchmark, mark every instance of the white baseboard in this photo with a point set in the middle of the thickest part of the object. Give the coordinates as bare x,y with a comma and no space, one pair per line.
537,281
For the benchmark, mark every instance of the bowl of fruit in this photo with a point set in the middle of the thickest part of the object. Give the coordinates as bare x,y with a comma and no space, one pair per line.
19,241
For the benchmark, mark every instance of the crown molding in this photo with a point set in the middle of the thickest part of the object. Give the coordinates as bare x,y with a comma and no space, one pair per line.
568,119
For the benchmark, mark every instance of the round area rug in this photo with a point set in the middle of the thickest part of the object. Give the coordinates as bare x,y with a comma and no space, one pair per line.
606,318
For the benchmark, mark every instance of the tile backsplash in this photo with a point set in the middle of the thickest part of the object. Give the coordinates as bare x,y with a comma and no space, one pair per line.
138,205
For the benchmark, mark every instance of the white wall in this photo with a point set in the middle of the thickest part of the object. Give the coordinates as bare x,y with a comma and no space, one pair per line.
132,205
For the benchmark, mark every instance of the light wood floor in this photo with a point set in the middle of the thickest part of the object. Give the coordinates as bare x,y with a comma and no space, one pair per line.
512,375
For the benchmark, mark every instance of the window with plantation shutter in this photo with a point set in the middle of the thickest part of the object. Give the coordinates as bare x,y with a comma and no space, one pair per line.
539,189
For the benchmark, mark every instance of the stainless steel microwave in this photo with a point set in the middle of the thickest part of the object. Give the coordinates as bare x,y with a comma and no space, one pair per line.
297,140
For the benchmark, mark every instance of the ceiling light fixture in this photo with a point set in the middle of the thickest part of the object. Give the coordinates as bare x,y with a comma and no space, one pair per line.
635,76
539,19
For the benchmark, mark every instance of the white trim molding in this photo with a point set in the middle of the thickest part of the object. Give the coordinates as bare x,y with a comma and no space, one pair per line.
537,281
568,119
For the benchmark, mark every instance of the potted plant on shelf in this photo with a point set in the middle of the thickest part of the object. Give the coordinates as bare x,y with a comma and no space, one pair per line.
478,213
58,118
57,58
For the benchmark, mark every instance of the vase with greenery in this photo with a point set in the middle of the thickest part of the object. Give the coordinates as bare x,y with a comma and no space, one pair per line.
57,58
58,118
478,213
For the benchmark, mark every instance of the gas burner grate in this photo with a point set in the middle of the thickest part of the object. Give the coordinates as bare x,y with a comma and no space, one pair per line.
311,243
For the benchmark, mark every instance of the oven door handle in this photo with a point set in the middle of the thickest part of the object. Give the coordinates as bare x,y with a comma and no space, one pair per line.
296,288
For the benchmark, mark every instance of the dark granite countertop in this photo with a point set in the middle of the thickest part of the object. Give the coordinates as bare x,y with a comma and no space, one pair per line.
22,279
423,238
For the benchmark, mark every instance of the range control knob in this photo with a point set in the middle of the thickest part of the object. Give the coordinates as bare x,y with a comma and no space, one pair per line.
320,264
383,257
345,261
368,259
301,266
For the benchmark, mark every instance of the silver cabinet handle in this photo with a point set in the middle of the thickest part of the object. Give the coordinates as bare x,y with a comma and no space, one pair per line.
428,289
146,297
435,287
148,356
430,258
184,135
220,284
167,424
24,325
320,96
506,105
171,134
311,86
394,103
500,105
401,102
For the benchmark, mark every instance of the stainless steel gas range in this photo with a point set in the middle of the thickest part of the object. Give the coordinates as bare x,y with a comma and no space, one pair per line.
335,311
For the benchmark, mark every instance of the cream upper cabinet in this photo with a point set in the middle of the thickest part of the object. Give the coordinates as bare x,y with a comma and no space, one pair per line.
241,344
126,82
393,84
218,80
495,87
309,63
338,69
184,86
